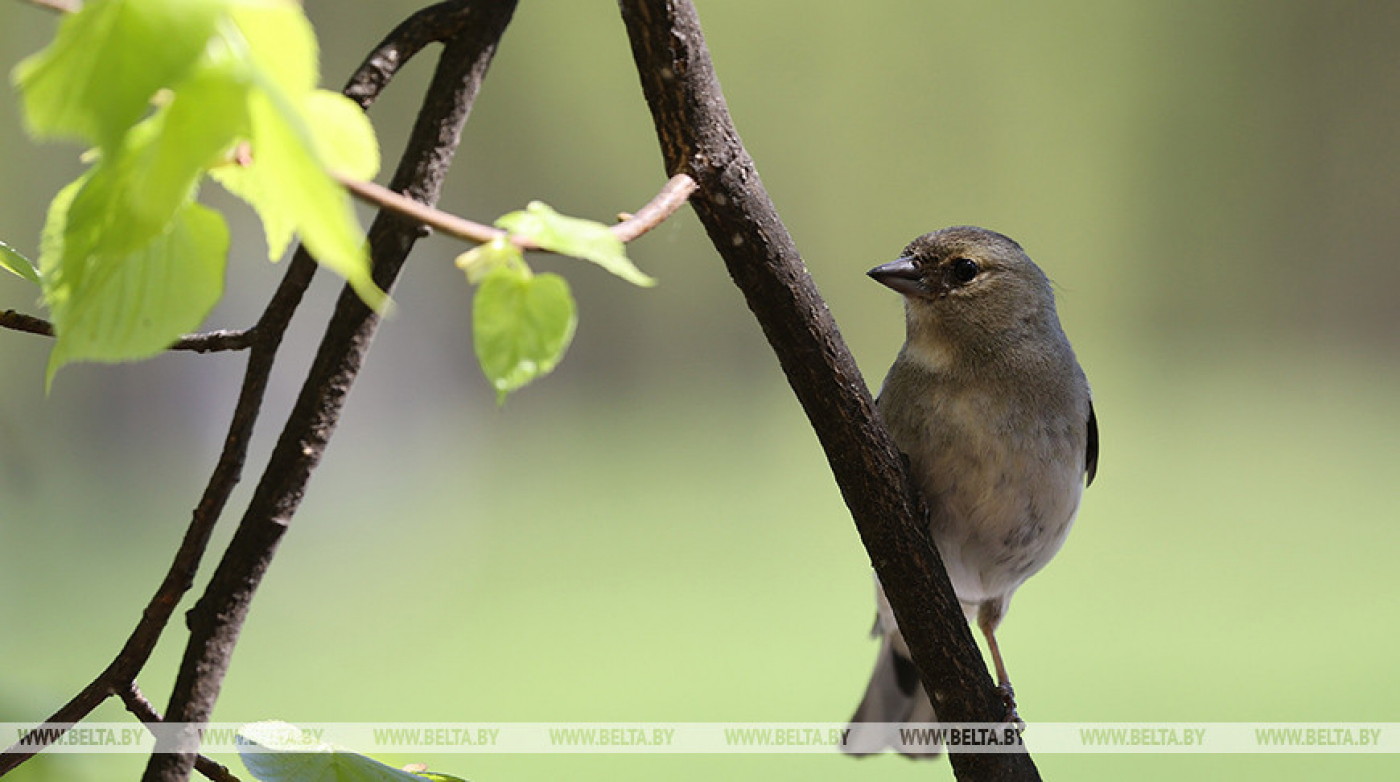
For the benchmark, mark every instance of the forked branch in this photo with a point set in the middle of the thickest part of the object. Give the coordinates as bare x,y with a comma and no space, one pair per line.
441,22
217,618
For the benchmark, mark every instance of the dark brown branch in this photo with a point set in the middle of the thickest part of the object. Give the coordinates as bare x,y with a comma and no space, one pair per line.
138,705
217,618
266,338
215,341
18,321
697,137
138,647
208,342
434,24
675,193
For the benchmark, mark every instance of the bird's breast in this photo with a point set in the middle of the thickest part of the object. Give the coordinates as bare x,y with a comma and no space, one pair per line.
1002,476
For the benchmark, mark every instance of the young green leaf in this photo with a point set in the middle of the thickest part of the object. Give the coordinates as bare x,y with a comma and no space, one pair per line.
279,752
196,129
291,183
296,134
277,40
483,259
13,262
521,325
127,305
53,241
97,77
128,262
134,190
344,137
586,239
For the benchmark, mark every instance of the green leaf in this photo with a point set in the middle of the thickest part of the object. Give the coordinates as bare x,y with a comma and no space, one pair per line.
53,241
194,131
129,263
123,306
483,259
344,137
277,40
133,192
296,134
13,262
108,209
586,239
279,752
291,183
98,76
521,325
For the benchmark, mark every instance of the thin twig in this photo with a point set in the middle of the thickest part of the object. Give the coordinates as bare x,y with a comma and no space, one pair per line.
216,620
18,321
670,198
61,6
137,704
214,341
439,22
138,646
205,342
450,224
676,192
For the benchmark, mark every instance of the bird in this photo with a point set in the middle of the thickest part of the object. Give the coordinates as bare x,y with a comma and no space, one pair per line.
989,405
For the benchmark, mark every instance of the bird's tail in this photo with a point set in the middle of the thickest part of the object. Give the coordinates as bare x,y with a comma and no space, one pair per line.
894,695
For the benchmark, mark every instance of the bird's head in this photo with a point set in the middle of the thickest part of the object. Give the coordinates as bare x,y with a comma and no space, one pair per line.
970,289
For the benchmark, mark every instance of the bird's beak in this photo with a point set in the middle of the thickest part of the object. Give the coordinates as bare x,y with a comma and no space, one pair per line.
901,275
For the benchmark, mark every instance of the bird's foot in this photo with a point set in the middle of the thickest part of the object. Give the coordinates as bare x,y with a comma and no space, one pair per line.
1008,698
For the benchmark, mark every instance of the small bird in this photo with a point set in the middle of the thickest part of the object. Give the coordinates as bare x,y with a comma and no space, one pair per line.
991,408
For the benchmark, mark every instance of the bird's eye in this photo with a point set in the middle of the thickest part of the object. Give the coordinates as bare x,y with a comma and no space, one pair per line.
964,269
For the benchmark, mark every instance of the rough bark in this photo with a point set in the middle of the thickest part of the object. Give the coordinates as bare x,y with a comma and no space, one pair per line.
217,618
698,138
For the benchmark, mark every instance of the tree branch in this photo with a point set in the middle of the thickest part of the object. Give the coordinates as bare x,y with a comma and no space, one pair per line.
698,137
364,87
138,705
18,321
217,618
137,650
435,24
61,6
207,342
671,197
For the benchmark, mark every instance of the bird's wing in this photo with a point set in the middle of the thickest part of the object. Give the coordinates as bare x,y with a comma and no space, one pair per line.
1091,449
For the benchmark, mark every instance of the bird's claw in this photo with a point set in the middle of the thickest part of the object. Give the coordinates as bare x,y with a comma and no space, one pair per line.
1008,698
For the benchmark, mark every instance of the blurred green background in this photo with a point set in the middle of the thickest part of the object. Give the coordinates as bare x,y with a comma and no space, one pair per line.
652,532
